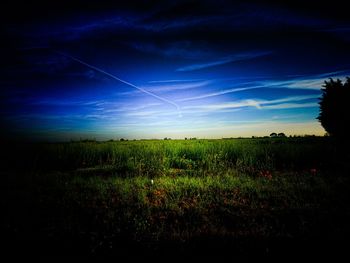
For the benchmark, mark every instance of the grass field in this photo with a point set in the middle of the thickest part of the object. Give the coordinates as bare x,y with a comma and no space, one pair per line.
169,198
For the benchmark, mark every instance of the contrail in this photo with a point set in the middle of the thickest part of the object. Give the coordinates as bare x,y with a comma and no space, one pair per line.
123,81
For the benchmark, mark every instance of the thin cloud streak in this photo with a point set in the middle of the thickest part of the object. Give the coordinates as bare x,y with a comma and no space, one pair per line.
259,104
290,106
125,82
226,65
223,92
312,83
174,80
230,59
205,65
172,86
177,86
230,107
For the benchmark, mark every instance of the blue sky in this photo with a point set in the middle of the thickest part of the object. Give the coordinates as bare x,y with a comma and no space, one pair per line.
171,69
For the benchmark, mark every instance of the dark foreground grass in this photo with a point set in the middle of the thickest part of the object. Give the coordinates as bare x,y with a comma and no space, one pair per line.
224,198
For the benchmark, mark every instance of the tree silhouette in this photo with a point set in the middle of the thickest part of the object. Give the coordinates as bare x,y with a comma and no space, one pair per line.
272,135
334,109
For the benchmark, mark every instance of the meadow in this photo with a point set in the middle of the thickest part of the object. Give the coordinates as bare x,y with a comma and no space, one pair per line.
228,197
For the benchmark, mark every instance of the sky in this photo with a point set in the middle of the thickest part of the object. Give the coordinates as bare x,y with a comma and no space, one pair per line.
155,69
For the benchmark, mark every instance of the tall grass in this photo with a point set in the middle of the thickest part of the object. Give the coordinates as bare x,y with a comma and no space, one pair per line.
103,195
178,157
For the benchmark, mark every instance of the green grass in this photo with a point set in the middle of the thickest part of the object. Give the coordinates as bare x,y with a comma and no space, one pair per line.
193,157
109,196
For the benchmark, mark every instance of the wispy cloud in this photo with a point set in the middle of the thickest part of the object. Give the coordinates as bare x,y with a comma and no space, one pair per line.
64,102
143,113
116,21
176,49
205,65
259,104
291,102
183,22
159,87
174,80
115,108
227,105
177,86
314,82
291,106
226,60
222,92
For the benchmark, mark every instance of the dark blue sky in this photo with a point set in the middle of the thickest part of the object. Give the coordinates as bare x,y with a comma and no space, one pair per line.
175,69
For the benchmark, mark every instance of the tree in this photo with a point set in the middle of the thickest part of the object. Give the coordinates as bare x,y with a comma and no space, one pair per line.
281,134
334,109
273,135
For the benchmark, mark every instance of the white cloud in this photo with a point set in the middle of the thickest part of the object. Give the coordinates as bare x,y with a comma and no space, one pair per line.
314,82
290,106
174,80
225,60
214,94
259,104
176,86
